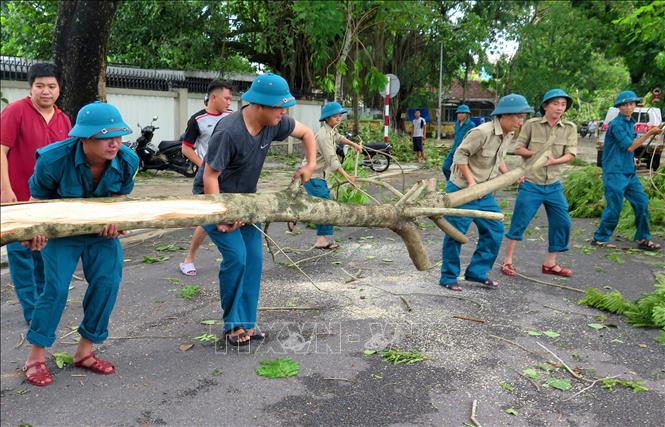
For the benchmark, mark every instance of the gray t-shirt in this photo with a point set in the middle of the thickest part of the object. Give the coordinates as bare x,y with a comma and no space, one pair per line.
238,155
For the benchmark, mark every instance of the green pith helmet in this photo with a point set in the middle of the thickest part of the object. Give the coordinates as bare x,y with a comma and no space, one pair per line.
463,108
512,103
99,120
269,90
555,93
626,96
330,109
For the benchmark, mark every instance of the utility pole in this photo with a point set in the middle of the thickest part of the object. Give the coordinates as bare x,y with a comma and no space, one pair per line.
439,112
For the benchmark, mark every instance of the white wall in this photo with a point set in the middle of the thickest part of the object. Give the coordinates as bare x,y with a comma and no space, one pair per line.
141,108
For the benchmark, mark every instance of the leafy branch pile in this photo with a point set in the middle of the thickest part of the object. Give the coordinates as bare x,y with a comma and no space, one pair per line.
584,191
646,312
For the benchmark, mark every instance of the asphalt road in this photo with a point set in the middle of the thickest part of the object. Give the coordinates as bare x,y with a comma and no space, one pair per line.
327,328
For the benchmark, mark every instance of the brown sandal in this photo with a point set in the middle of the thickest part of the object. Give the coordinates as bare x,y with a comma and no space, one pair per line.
648,245
562,271
41,377
508,270
605,245
99,366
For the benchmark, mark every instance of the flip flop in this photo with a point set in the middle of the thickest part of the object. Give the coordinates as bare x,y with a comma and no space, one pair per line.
291,225
487,283
258,335
453,287
188,268
330,245
603,244
234,340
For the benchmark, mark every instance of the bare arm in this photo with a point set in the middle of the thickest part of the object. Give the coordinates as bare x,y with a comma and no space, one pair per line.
640,139
466,174
190,153
524,152
6,192
306,135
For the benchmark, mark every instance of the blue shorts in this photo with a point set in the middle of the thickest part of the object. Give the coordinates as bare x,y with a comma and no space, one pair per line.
417,143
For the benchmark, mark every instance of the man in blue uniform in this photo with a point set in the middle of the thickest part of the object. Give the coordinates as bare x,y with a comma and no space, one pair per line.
619,177
92,163
462,126
237,149
478,159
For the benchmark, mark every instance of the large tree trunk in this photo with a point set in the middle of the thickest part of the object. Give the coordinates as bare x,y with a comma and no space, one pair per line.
60,218
81,40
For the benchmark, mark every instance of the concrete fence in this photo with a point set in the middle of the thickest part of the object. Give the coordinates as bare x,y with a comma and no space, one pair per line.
173,108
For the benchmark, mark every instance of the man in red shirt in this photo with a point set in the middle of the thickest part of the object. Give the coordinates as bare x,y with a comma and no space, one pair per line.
26,125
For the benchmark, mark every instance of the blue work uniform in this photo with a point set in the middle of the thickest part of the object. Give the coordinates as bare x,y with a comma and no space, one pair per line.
62,172
620,180
460,133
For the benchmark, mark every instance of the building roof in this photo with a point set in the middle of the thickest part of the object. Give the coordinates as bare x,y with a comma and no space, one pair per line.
474,92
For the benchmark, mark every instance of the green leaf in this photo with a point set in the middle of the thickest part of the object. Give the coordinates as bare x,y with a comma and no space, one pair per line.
559,384
152,260
534,333
208,322
62,359
278,368
216,372
596,326
369,352
507,387
397,357
189,292
168,248
511,411
531,373
615,258
552,334
207,338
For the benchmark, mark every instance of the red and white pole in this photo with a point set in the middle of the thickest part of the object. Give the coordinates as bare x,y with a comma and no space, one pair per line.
386,114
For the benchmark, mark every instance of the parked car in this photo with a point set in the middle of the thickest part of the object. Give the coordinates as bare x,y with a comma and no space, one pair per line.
645,118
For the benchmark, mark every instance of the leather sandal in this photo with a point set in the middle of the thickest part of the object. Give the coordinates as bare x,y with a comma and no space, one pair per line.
605,245
99,366
508,270
41,377
562,271
453,287
487,283
648,245
235,340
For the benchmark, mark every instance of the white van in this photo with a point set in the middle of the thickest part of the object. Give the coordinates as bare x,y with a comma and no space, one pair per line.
645,118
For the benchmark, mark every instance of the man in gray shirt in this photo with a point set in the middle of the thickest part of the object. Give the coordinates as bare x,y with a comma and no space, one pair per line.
236,152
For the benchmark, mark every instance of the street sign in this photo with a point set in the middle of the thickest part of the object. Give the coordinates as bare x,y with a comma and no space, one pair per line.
394,86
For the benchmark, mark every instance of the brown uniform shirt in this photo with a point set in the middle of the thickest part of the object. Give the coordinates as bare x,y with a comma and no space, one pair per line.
536,133
483,149
327,162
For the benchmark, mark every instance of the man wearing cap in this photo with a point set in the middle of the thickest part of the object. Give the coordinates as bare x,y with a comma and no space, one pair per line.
479,158
91,163
236,151
462,126
26,125
195,147
620,178
543,186
327,162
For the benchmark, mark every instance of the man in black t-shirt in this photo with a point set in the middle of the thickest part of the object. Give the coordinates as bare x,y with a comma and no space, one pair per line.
195,146
236,152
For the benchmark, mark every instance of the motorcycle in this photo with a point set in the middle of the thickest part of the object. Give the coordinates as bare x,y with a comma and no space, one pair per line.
167,156
376,156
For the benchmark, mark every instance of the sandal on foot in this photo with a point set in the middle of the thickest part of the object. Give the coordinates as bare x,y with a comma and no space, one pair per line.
508,270
291,225
330,245
258,335
562,271
648,245
188,268
605,245
99,366
487,283
235,340
41,377
453,287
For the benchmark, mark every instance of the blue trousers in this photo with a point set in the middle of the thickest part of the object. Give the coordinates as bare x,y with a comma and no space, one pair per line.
618,186
239,274
490,233
26,269
102,267
529,198
318,187
447,164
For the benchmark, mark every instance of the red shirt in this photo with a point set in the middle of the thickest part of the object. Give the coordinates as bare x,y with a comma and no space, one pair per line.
24,130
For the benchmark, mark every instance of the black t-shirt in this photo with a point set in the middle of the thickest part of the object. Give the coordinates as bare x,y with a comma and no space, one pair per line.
238,155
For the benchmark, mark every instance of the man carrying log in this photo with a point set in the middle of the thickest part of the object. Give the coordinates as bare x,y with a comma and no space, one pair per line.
26,125
92,163
478,159
236,152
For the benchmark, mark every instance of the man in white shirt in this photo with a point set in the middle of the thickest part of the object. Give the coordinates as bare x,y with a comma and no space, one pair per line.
419,135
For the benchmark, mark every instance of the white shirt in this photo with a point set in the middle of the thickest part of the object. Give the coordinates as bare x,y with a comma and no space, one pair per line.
418,125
